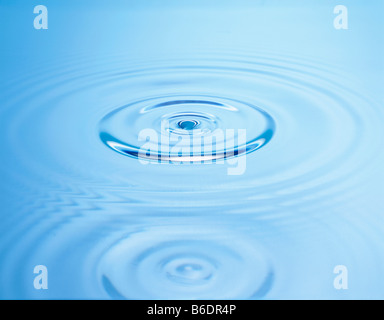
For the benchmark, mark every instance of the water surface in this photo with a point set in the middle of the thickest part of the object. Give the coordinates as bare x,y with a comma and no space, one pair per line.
76,198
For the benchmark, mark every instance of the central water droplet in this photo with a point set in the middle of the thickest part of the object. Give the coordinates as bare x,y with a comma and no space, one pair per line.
187,124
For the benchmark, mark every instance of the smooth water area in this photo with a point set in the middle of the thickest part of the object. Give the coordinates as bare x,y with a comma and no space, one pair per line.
76,197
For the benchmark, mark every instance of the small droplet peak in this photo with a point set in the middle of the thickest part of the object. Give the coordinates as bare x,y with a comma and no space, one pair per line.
187,124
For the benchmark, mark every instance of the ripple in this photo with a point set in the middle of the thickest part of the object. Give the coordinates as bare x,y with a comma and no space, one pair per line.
319,152
185,263
313,129
187,128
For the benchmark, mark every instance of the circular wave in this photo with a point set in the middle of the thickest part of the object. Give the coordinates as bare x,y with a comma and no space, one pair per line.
186,128
187,263
323,130
325,148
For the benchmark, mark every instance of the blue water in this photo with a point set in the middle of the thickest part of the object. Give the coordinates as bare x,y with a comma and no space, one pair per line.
76,198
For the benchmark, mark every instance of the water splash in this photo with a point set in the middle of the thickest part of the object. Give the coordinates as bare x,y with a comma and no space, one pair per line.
203,118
